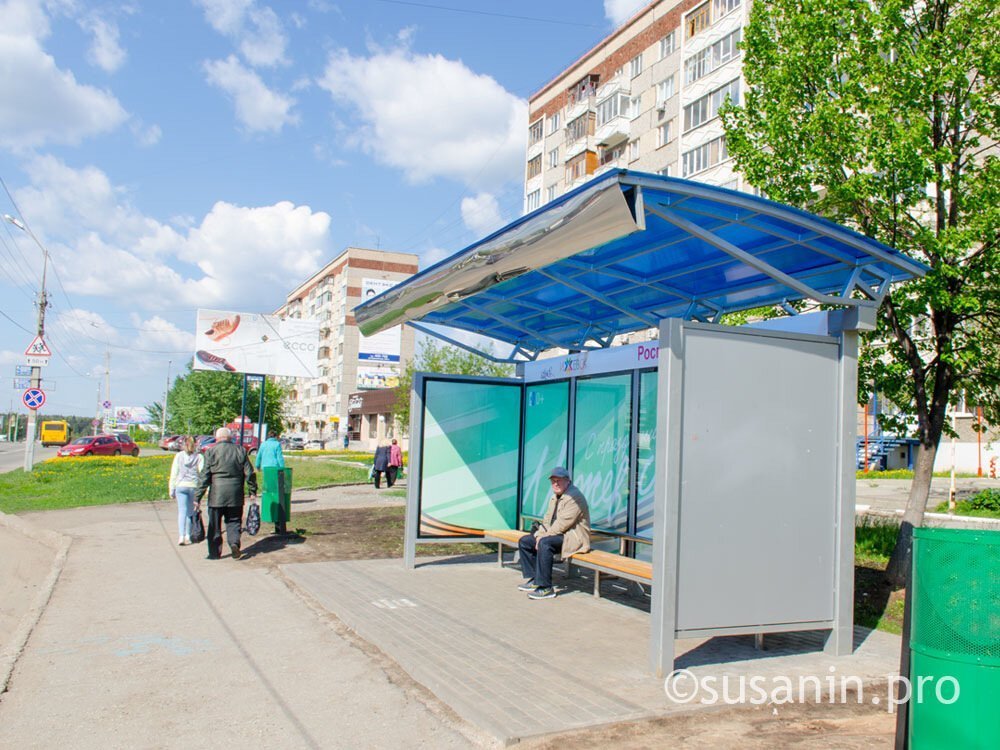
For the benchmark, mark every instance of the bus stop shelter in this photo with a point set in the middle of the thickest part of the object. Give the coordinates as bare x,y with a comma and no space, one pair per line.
730,448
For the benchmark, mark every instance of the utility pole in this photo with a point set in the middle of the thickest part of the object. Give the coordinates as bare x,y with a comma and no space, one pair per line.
36,371
166,394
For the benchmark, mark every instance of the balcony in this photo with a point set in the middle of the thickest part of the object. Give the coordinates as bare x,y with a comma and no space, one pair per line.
613,132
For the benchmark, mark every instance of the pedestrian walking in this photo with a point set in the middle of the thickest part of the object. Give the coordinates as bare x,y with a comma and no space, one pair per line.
380,465
183,481
395,463
226,470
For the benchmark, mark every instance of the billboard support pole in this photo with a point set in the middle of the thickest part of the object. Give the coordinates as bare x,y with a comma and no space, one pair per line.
243,409
260,412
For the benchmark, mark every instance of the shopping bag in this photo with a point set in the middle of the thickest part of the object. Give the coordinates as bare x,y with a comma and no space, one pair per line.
197,528
253,519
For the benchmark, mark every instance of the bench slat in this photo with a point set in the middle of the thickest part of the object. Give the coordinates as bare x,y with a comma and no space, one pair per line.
612,562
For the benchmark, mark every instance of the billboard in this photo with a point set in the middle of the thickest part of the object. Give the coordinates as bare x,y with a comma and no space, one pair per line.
260,344
384,346
370,378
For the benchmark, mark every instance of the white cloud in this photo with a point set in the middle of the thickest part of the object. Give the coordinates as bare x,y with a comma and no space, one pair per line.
145,136
432,117
619,11
481,213
258,108
234,256
104,52
257,31
39,102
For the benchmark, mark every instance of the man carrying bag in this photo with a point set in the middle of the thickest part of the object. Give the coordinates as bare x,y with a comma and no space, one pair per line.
226,470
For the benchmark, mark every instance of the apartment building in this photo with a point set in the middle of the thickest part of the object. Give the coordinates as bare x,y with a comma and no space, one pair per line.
348,362
646,98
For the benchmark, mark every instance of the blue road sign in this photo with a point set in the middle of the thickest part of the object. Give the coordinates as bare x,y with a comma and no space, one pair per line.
22,370
33,398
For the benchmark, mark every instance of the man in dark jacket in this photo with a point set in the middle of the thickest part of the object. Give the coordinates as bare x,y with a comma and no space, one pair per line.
226,469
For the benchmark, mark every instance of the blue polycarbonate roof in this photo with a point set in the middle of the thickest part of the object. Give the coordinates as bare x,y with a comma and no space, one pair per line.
628,249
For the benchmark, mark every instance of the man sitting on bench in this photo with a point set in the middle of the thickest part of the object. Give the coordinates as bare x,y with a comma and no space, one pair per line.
565,527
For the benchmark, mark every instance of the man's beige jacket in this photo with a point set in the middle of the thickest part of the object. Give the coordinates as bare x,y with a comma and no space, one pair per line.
568,515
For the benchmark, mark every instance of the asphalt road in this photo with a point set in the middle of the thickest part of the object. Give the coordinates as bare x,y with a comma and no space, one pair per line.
12,455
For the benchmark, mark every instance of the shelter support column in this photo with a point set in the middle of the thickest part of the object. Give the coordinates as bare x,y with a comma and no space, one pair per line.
840,641
663,605
414,469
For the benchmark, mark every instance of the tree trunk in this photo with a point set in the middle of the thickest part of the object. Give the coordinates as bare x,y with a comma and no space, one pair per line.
913,516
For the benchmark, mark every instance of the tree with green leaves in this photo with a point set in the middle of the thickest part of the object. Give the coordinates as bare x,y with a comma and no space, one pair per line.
884,115
434,356
202,400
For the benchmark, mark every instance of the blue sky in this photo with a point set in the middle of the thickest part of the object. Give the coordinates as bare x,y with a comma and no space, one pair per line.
215,153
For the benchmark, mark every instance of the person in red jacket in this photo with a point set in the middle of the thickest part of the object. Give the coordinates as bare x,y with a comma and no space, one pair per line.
395,462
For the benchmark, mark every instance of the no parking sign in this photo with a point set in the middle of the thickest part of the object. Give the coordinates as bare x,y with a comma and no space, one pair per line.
33,398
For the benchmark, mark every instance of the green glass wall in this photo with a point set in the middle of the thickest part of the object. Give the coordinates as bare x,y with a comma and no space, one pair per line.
471,436
602,447
546,431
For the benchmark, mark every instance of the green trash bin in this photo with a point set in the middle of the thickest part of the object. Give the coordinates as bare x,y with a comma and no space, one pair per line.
955,639
276,496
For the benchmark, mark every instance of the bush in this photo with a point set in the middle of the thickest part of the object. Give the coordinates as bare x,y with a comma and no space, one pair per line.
988,500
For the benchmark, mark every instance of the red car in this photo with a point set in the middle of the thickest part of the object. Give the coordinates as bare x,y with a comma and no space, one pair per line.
99,445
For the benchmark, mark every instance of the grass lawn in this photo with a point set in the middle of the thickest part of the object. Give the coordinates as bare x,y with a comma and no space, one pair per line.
876,605
72,482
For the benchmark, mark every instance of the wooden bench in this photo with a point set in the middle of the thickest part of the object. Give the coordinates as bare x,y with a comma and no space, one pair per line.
599,561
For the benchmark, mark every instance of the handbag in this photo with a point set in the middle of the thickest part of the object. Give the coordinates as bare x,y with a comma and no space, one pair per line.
253,519
197,528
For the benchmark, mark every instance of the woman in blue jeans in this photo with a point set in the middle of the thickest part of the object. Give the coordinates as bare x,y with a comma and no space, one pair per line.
183,480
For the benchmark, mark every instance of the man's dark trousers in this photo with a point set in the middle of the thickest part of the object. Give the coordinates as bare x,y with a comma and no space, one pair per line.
536,564
232,516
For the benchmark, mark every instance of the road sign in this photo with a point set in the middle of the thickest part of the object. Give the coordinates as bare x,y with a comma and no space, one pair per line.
22,383
22,370
33,398
37,361
38,348
95,423
106,404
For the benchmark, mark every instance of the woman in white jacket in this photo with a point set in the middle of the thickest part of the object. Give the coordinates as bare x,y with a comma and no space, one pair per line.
184,473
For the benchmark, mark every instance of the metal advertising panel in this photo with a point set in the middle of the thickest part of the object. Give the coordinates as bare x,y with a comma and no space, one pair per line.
261,344
384,346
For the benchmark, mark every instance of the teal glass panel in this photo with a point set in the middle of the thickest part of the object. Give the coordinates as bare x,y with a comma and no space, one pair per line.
546,430
469,467
602,447
645,475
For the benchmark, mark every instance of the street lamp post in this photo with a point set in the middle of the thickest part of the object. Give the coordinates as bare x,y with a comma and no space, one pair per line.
166,395
36,371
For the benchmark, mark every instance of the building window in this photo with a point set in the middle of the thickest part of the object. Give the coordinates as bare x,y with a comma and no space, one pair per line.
581,127
610,108
613,154
704,156
664,133
712,57
707,107
698,20
633,150
534,132
535,166
722,8
664,90
635,65
554,157
554,123
634,104
667,44
534,197
389,425
576,167
582,89
372,426
667,171
550,193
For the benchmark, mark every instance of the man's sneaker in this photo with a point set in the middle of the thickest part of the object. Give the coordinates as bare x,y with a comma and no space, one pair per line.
528,585
235,549
543,593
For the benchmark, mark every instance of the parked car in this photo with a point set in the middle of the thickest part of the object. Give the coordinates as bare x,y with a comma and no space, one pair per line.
98,445
316,445
248,444
296,444
171,442
127,443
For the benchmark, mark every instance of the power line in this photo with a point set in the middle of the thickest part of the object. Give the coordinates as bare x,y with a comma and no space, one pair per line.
15,322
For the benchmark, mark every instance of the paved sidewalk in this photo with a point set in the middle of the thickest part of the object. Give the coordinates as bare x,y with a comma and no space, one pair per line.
146,644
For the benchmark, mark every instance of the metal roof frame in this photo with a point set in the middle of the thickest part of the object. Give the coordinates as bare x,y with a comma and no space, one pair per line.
629,249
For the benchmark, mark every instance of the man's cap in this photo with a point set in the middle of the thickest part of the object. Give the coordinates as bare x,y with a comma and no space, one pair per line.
559,473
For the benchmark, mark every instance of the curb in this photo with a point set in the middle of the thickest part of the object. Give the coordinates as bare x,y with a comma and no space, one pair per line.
60,543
